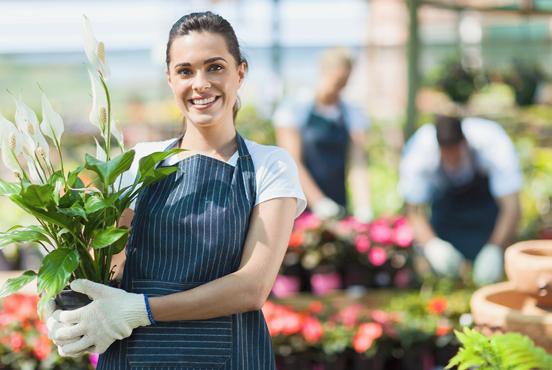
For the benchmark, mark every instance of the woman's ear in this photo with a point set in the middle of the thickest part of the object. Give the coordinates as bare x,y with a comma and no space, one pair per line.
242,69
168,76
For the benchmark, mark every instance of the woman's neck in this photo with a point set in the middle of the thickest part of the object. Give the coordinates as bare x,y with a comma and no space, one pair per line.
216,141
326,99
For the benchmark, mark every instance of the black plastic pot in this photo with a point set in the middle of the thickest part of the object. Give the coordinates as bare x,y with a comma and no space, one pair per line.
68,300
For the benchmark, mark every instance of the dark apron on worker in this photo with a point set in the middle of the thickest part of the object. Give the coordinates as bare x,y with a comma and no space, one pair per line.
465,215
188,230
325,145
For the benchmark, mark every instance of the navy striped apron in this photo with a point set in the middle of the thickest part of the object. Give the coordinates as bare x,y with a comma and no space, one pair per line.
190,229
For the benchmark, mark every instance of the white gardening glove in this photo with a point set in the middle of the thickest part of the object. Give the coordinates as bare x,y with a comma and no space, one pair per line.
364,214
443,257
52,325
112,315
488,267
326,209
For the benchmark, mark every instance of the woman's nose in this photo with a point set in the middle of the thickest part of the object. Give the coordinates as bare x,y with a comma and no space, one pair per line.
201,83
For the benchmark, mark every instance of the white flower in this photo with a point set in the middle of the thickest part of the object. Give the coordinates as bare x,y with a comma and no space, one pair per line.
33,172
118,134
100,152
10,143
52,123
95,51
27,123
98,113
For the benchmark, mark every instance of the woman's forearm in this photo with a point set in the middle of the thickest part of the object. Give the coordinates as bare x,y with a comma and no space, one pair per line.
227,295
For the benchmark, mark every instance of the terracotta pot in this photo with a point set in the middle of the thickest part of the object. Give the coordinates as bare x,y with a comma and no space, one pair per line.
529,268
501,306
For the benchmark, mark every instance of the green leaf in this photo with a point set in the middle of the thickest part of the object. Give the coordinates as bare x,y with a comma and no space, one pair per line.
8,188
13,285
39,196
108,236
20,234
75,210
109,171
95,203
58,182
148,174
56,270
119,245
49,215
73,179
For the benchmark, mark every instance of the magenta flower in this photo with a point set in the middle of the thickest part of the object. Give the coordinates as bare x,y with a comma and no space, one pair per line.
381,232
403,235
377,256
307,221
362,243
93,358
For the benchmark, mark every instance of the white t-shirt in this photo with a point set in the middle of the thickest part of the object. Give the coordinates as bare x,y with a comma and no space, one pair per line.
495,155
295,114
275,171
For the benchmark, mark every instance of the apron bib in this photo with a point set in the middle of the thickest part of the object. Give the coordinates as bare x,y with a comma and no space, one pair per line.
190,229
325,145
465,215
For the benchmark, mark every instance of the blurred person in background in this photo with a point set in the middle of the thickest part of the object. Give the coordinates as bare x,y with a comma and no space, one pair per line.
467,172
327,138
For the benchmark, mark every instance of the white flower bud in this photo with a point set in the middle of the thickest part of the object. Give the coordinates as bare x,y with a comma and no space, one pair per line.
12,142
30,128
100,52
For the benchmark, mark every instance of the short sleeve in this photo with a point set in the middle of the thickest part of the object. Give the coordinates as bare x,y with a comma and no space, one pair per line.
497,155
290,114
356,119
277,177
418,167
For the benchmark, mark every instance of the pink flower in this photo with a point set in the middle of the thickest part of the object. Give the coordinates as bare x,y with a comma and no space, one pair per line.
312,330
377,256
381,232
371,329
307,221
403,234
349,315
362,343
352,224
93,358
362,243
402,278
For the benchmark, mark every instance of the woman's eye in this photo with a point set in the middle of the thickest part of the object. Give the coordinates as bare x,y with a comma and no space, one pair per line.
215,67
184,72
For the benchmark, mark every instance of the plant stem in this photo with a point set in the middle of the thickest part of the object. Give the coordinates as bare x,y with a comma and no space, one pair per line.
108,134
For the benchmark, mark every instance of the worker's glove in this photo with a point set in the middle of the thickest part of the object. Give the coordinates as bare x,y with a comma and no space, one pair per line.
364,214
326,209
112,315
488,267
443,257
52,325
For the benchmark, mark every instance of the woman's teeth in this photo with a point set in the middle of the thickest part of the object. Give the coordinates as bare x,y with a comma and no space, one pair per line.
204,101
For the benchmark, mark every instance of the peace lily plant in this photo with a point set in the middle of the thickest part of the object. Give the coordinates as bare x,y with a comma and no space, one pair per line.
77,223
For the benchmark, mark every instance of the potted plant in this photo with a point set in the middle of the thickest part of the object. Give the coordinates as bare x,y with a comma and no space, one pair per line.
77,223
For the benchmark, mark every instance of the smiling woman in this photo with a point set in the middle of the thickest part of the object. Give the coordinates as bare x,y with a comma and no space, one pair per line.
206,242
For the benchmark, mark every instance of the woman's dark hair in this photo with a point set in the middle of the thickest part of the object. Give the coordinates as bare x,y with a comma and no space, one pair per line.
449,130
207,22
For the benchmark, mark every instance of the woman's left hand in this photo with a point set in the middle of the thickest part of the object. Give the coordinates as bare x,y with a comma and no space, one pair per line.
112,315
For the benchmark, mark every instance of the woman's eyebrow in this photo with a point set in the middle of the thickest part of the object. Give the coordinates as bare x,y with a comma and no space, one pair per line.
206,61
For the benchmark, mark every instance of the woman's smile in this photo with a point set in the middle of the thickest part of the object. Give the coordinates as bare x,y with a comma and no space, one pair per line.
203,103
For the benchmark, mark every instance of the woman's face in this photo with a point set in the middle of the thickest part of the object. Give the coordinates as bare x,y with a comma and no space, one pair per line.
204,78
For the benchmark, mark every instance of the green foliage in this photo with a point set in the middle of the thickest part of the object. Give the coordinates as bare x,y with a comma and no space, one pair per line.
14,284
510,351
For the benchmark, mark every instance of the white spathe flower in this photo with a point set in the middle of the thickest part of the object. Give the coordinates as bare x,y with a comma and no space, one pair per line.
98,113
118,134
95,51
33,172
52,123
100,152
27,122
10,143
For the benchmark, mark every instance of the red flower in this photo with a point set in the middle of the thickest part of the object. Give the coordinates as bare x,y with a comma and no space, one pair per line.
296,239
370,329
437,305
362,243
316,307
16,342
362,343
312,330
349,315
442,329
381,232
42,348
377,256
